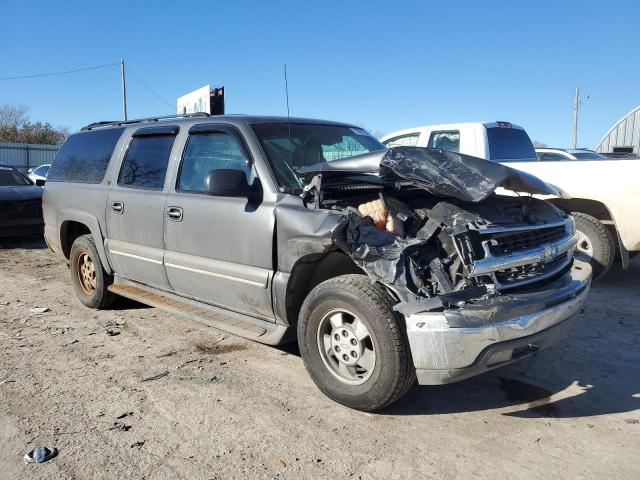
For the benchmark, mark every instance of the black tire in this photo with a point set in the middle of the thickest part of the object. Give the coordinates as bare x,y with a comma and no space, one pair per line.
393,374
94,295
596,244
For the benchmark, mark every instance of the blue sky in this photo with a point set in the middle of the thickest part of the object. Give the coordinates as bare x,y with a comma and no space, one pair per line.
383,65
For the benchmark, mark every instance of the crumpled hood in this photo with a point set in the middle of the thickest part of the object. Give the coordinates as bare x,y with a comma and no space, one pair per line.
440,172
20,193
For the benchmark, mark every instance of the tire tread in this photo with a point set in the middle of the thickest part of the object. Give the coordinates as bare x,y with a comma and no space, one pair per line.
604,248
383,301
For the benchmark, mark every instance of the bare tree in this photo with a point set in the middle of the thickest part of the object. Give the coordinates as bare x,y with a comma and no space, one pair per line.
13,115
538,144
16,127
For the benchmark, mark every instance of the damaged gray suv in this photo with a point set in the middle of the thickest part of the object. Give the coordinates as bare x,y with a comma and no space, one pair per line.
385,265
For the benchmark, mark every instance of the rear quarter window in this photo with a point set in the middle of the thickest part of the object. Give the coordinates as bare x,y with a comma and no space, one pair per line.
84,157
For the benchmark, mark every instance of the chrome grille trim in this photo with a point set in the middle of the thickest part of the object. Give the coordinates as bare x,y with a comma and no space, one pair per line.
540,254
491,263
560,264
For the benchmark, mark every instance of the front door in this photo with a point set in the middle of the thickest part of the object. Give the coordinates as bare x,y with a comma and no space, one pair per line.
219,249
135,208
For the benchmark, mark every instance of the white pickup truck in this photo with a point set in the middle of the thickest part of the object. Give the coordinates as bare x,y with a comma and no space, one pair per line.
604,194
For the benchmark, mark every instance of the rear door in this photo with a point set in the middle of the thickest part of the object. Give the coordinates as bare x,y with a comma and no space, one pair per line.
219,249
135,207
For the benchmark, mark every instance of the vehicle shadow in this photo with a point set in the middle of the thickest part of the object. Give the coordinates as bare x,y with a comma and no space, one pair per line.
123,303
26,243
593,371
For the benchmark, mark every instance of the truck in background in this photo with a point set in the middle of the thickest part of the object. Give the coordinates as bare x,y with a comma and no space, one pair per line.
603,194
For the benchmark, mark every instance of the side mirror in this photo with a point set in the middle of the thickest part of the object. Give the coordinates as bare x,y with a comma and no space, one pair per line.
30,170
40,182
228,182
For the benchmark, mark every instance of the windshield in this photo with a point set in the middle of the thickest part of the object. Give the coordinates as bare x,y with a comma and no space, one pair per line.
510,144
588,156
291,147
41,170
10,177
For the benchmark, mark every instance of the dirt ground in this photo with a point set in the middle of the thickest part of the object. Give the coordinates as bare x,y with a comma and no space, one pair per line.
135,393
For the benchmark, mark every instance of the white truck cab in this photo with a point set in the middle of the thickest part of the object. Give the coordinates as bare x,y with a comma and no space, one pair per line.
604,193
497,141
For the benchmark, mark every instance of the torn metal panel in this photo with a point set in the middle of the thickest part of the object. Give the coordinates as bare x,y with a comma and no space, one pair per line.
427,252
440,172
383,256
301,231
456,175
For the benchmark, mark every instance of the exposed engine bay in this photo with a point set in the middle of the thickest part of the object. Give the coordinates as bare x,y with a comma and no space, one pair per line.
430,227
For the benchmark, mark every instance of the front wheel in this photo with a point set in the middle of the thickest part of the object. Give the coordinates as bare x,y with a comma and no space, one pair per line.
596,244
354,345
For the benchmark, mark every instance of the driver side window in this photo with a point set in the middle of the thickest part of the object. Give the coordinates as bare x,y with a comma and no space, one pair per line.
210,151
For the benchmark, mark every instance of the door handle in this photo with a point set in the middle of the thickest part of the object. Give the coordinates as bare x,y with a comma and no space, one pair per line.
117,207
174,214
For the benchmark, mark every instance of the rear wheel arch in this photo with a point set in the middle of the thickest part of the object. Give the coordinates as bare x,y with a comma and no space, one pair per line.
70,230
74,224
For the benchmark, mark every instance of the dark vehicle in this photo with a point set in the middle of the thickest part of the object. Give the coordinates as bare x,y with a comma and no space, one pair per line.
385,265
621,156
20,204
563,154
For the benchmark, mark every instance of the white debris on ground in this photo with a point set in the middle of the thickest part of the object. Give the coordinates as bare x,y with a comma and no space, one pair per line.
168,398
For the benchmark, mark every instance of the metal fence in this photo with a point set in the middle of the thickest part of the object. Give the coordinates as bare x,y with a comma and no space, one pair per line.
26,155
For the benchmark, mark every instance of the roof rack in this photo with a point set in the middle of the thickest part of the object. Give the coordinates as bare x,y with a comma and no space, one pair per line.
112,123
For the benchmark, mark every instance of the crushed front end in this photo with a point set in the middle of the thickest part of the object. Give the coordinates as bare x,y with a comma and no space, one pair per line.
482,279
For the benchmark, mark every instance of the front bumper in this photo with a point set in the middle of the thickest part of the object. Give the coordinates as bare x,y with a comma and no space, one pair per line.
22,230
456,344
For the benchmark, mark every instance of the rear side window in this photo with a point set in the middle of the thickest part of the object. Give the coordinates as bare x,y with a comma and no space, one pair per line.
145,164
210,151
446,140
510,144
84,156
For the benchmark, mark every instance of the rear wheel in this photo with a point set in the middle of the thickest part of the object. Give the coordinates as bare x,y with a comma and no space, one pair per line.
596,244
354,345
90,281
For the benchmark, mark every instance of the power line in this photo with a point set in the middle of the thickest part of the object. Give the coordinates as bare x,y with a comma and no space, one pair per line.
17,77
149,88
84,69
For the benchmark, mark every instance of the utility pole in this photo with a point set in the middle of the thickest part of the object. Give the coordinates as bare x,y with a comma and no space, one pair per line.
124,89
576,105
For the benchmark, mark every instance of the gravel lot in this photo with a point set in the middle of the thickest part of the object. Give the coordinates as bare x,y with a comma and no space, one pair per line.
202,404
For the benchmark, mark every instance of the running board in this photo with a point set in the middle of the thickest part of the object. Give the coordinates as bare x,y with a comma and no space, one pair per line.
228,321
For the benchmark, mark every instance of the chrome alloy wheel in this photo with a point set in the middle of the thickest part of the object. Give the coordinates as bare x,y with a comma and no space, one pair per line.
86,272
346,347
584,245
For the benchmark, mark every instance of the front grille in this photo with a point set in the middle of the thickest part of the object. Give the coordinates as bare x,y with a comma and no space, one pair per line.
528,272
21,210
511,242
